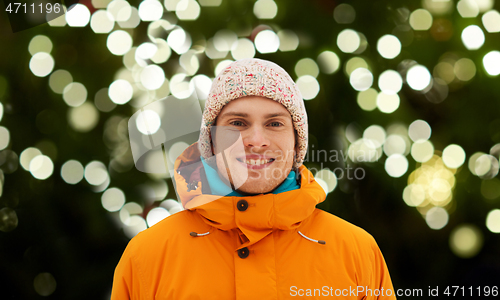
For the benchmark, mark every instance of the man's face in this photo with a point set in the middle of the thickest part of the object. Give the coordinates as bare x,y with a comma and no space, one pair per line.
268,139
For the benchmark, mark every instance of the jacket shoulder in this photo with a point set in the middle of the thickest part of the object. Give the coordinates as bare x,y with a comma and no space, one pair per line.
337,229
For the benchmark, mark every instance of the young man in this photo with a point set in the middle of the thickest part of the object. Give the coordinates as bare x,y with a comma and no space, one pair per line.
250,229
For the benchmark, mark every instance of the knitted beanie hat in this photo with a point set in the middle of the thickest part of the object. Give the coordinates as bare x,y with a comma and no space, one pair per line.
255,77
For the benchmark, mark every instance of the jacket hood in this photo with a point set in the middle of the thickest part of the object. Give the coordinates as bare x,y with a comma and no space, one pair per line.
265,213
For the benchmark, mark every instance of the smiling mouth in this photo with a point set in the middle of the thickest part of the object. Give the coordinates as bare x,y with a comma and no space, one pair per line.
255,162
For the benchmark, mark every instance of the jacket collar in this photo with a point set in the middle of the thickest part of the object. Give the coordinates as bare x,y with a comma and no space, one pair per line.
265,213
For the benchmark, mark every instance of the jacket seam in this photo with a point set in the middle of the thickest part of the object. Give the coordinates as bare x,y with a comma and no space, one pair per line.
140,275
275,266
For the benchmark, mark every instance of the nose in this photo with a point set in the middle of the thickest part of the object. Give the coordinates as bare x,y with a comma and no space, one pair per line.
256,138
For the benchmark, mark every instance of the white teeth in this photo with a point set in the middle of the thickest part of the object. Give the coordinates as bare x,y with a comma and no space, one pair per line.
257,162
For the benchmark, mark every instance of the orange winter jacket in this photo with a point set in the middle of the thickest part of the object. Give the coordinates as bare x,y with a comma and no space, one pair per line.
265,249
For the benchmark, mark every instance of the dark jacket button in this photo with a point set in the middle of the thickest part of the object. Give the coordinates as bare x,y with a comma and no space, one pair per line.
243,252
242,205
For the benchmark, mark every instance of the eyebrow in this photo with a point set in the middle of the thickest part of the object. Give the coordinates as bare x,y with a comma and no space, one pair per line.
245,115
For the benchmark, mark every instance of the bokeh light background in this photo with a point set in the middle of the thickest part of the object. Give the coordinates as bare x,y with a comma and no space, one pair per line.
403,105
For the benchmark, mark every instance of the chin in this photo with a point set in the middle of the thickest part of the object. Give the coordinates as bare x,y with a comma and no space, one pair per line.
259,186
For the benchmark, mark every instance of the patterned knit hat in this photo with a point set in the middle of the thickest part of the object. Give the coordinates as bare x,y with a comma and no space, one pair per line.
255,77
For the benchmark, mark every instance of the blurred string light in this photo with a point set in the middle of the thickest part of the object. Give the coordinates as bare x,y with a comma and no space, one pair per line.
150,10
59,21
306,66
394,144
390,82
389,46
189,62
468,8
148,122
102,101
72,172
8,217
355,63
348,41
419,130
308,86
202,84
130,218
436,217
361,79
453,156
491,21
187,10
466,240
491,63
41,64
119,42
329,178
154,190
289,41
4,137
78,15
485,166
464,69
473,37
40,43
265,9
27,155
179,40
120,91
181,87
387,103
96,173
420,20
210,2
224,40
171,205
367,99
430,189
267,41
441,7
84,117
344,14
102,21
59,79
44,284
120,10
328,62
113,199
152,77
243,48
155,215
171,5
396,165
493,221
74,94
221,65
418,77
41,167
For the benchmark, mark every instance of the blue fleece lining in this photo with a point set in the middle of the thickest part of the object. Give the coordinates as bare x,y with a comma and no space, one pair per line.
218,187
